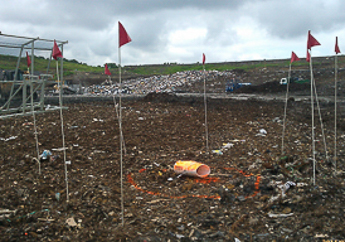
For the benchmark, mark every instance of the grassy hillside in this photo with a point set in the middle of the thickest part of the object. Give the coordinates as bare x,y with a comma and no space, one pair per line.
72,66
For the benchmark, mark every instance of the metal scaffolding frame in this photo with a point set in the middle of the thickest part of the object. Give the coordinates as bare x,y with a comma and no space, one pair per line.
30,81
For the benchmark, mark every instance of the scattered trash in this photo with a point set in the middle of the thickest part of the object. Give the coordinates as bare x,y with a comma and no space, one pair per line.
272,215
262,132
277,119
287,185
60,149
301,184
157,195
45,155
28,124
57,196
218,152
73,127
71,222
97,120
227,146
322,236
6,213
236,140
192,168
9,138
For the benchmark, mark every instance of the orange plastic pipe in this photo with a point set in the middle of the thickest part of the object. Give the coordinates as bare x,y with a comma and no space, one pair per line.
192,168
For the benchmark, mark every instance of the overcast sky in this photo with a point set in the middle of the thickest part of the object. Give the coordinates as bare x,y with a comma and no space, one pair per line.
178,31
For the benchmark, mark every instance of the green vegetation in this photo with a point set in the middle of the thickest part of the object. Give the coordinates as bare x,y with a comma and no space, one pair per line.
72,66
8,62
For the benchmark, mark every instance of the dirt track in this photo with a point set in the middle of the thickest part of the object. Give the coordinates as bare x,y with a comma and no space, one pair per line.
235,202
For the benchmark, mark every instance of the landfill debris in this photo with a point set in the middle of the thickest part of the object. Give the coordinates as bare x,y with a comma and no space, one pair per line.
211,208
218,152
71,222
7,213
9,138
227,146
57,196
272,215
321,236
287,185
156,84
262,132
45,155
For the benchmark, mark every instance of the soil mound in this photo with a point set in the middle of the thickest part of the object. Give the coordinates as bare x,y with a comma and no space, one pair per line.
161,97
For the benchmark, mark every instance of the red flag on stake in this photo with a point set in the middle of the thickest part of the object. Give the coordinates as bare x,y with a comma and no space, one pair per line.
294,57
28,59
56,51
308,56
337,50
106,71
311,41
203,58
123,36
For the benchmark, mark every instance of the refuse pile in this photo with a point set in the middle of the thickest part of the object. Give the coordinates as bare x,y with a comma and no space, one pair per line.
176,82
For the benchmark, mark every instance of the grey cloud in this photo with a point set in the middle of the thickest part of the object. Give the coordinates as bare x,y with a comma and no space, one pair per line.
290,19
91,26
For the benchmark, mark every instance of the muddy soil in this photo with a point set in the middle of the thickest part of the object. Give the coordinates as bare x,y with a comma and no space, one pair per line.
243,199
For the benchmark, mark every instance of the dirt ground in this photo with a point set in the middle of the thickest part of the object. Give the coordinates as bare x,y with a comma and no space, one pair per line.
243,199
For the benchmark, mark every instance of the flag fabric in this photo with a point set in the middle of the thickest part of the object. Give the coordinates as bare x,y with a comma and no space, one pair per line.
56,51
123,36
28,59
203,58
294,57
308,56
106,71
311,41
337,50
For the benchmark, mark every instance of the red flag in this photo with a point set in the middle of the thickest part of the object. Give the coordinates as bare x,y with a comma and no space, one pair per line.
123,36
56,51
294,57
308,56
311,41
106,71
28,59
203,58
337,50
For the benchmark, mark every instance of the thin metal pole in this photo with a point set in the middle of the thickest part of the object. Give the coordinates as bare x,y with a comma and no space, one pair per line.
321,123
335,113
32,107
312,114
31,38
205,105
60,88
285,107
121,152
117,116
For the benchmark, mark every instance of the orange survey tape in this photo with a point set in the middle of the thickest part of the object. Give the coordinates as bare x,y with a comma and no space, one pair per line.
206,180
